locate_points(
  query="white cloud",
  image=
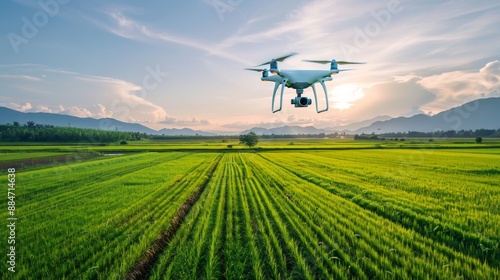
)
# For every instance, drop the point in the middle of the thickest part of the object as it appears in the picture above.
(20, 107)
(102, 112)
(125, 27)
(490, 75)
(458, 87)
(84, 95)
(395, 98)
(310, 22)
(75, 111)
(42, 108)
(22, 77)
(409, 94)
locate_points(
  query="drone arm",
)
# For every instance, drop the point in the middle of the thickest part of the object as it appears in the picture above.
(322, 82)
(276, 85)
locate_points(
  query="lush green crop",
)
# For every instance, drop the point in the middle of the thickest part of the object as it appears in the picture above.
(341, 215)
(96, 218)
(6, 157)
(334, 214)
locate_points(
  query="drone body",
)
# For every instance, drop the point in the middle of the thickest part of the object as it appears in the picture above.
(299, 80)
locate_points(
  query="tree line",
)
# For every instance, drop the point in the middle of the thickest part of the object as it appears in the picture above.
(489, 133)
(478, 133)
(31, 132)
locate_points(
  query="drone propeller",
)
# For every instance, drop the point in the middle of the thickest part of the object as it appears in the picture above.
(255, 69)
(279, 59)
(330, 61)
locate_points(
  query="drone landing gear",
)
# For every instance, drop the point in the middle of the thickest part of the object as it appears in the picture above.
(279, 81)
(299, 100)
(322, 82)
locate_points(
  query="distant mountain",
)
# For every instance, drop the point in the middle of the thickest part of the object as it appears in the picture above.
(224, 133)
(477, 114)
(357, 125)
(10, 116)
(286, 130)
(183, 132)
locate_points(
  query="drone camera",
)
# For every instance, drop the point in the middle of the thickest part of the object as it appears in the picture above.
(301, 101)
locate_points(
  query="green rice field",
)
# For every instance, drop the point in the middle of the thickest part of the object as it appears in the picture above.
(317, 210)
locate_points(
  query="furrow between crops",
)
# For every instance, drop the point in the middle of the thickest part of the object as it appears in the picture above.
(149, 220)
(421, 248)
(96, 188)
(293, 216)
(271, 258)
(144, 264)
(196, 217)
(453, 237)
(64, 186)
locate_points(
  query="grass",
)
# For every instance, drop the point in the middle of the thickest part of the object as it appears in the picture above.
(263, 145)
(328, 215)
(96, 218)
(341, 212)
(6, 157)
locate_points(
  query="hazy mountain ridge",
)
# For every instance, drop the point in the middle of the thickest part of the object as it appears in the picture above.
(357, 125)
(286, 130)
(10, 116)
(477, 114)
(183, 131)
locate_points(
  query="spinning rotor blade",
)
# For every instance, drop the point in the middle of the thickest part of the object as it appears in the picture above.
(349, 62)
(279, 59)
(318, 61)
(329, 61)
(255, 69)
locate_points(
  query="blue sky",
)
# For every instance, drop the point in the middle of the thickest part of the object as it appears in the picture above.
(180, 63)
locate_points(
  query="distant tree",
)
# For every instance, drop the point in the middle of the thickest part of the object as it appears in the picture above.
(479, 140)
(251, 139)
(123, 142)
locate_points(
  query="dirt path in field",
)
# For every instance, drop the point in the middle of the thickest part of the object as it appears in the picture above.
(145, 263)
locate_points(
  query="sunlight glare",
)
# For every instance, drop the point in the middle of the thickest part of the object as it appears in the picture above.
(343, 96)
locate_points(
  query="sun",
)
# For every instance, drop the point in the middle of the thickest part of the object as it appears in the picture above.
(343, 96)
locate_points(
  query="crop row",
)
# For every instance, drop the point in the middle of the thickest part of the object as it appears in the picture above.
(94, 219)
(259, 220)
(451, 198)
(7, 157)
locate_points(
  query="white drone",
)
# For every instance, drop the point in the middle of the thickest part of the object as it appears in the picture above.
(299, 80)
